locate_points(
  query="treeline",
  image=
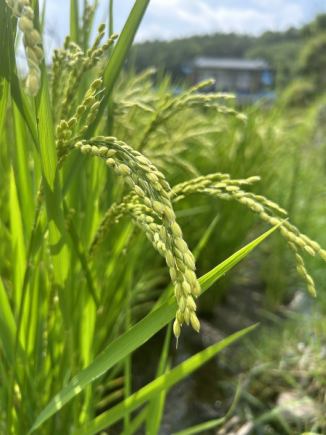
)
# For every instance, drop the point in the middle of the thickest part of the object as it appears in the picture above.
(280, 49)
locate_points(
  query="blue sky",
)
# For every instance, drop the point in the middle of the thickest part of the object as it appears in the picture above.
(167, 19)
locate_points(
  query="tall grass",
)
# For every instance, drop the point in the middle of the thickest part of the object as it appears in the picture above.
(84, 240)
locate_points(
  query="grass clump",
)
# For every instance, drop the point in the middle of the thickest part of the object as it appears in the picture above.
(285, 389)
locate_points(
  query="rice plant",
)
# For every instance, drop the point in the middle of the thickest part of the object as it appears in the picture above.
(90, 187)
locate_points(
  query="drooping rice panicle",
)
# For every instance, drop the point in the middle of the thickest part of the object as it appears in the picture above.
(153, 190)
(223, 187)
(230, 190)
(190, 98)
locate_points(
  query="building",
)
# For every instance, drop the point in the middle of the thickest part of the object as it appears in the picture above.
(249, 79)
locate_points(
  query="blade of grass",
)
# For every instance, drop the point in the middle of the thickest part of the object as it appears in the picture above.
(220, 270)
(18, 242)
(8, 68)
(21, 169)
(136, 336)
(52, 191)
(46, 134)
(74, 19)
(211, 424)
(204, 239)
(111, 20)
(137, 422)
(162, 383)
(7, 325)
(156, 405)
(4, 93)
(119, 55)
(80, 252)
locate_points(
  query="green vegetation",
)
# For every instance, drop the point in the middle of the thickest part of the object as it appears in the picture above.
(111, 190)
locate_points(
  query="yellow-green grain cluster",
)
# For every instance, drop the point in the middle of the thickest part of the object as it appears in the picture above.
(190, 98)
(153, 191)
(32, 42)
(70, 64)
(221, 186)
(70, 130)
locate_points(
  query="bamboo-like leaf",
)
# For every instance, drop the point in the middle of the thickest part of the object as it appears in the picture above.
(136, 336)
(162, 383)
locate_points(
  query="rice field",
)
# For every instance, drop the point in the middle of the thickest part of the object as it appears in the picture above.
(123, 209)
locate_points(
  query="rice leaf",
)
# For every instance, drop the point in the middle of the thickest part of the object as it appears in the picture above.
(200, 428)
(135, 337)
(46, 134)
(8, 68)
(53, 197)
(156, 405)
(7, 325)
(74, 19)
(18, 243)
(217, 272)
(21, 169)
(119, 54)
(4, 93)
(162, 383)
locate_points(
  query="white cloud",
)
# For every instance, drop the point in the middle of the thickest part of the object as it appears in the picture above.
(189, 16)
(249, 20)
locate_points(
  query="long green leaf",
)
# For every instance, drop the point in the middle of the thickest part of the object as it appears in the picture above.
(74, 18)
(137, 422)
(7, 325)
(46, 134)
(4, 92)
(18, 243)
(221, 269)
(162, 383)
(53, 197)
(119, 55)
(111, 18)
(8, 68)
(136, 336)
(21, 169)
(157, 403)
(200, 428)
